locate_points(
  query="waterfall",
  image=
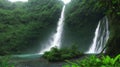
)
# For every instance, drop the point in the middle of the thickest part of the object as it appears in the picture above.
(101, 37)
(56, 37)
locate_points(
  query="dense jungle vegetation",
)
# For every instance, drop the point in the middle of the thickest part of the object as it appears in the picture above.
(23, 25)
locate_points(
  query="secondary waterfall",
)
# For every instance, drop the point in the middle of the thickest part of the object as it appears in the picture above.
(56, 38)
(101, 37)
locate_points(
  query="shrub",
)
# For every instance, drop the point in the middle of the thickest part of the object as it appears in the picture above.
(56, 54)
(4, 62)
(94, 61)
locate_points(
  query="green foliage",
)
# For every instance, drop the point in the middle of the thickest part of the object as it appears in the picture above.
(4, 62)
(93, 61)
(112, 6)
(118, 13)
(23, 25)
(81, 17)
(56, 54)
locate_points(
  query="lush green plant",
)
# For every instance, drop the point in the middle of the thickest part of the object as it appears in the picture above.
(4, 62)
(56, 54)
(94, 61)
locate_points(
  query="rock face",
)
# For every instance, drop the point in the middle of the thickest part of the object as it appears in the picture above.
(114, 41)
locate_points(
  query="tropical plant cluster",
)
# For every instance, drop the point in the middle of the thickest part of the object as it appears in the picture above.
(94, 61)
(57, 55)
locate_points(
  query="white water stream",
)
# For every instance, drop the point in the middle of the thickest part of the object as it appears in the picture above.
(57, 36)
(101, 37)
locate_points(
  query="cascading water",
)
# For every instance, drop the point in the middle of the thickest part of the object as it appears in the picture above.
(101, 37)
(57, 36)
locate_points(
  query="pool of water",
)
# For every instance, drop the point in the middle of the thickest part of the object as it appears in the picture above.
(33, 60)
